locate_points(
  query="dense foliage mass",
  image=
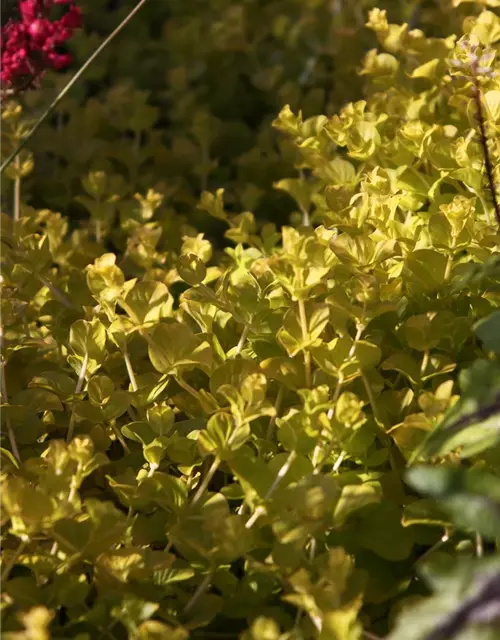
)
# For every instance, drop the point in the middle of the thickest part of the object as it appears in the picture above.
(250, 376)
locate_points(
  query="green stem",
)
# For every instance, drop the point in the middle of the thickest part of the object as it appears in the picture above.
(78, 388)
(13, 560)
(130, 370)
(277, 407)
(260, 510)
(305, 338)
(98, 231)
(317, 449)
(206, 481)
(384, 438)
(202, 587)
(10, 430)
(479, 546)
(17, 193)
(312, 553)
(70, 84)
(486, 209)
(205, 404)
(55, 292)
(449, 265)
(443, 540)
(371, 397)
(425, 363)
(119, 437)
(483, 138)
(242, 340)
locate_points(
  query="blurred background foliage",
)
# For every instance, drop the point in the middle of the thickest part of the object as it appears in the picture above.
(184, 99)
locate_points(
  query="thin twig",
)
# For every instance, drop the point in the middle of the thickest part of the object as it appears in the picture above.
(206, 481)
(70, 84)
(260, 510)
(55, 292)
(305, 337)
(242, 340)
(10, 430)
(277, 407)
(17, 193)
(317, 449)
(13, 560)
(130, 370)
(202, 587)
(484, 145)
(78, 388)
(443, 540)
(479, 545)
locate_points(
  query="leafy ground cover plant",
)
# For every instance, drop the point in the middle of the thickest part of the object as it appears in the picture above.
(202, 441)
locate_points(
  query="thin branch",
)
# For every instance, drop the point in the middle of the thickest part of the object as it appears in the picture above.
(305, 338)
(10, 430)
(130, 370)
(277, 407)
(202, 588)
(206, 481)
(242, 340)
(484, 145)
(13, 560)
(260, 510)
(55, 292)
(17, 194)
(78, 388)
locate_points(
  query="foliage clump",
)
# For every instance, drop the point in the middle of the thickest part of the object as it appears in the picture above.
(208, 430)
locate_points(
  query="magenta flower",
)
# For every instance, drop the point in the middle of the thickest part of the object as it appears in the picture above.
(32, 44)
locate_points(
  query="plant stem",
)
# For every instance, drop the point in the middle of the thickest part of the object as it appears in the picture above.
(202, 587)
(312, 553)
(205, 403)
(260, 510)
(98, 231)
(444, 538)
(305, 338)
(70, 84)
(484, 204)
(119, 437)
(484, 145)
(371, 397)
(12, 561)
(242, 340)
(277, 407)
(425, 363)
(449, 265)
(383, 436)
(206, 481)
(73, 489)
(338, 462)
(317, 448)
(78, 388)
(10, 430)
(17, 193)
(479, 546)
(130, 370)
(306, 220)
(56, 292)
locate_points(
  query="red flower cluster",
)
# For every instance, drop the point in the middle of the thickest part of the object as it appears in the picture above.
(31, 45)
